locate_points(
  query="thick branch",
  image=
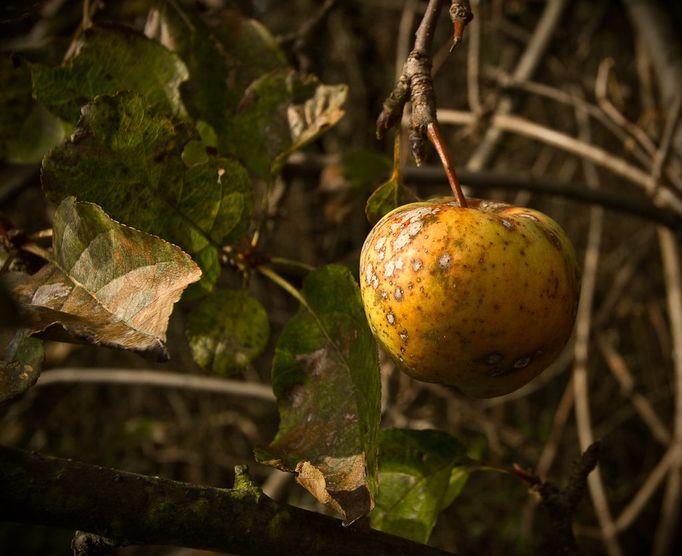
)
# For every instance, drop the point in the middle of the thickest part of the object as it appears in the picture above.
(137, 509)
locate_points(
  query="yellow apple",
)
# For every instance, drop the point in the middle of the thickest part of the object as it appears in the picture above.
(482, 298)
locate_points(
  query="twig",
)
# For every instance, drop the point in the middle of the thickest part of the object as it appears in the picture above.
(642, 406)
(670, 510)
(474, 64)
(637, 249)
(147, 510)
(639, 501)
(660, 36)
(582, 336)
(524, 70)
(522, 126)
(549, 452)
(561, 503)
(461, 16)
(664, 149)
(643, 154)
(161, 379)
(601, 94)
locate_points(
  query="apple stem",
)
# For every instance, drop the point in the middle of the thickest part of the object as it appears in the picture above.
(433, 131)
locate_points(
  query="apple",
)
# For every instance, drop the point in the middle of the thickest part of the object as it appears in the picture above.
(482, 298)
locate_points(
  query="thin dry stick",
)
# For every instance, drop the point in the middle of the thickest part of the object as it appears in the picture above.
(561, 416)
(666, 142)
(522, 126)
(582, 338)
(473, 61)
(524, 70)
(141, 377)
(639, 501)
(643, 155)
(601, 94)
(670, 510)
(642, 405)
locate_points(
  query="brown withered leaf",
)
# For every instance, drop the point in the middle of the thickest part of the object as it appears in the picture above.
(108, 284)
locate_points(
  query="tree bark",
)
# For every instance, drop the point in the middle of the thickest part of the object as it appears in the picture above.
(138, 509)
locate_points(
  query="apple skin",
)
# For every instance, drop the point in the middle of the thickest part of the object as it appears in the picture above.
(482, 298)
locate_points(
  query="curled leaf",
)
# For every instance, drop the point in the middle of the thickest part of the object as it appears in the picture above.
(108, 284)
(280, 113)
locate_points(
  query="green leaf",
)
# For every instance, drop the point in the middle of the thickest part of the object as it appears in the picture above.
(21, 361)
(111, 59)
(420, 474)
(109, 284)
(206, 93)
(280, 113)
(128, 158)
(227, 330)
(387, 197)
(250, 49)
(27, 129)
(223, 54)
(326, 379)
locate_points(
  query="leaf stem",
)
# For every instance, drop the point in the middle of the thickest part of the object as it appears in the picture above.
(284, 284)
(283, 261)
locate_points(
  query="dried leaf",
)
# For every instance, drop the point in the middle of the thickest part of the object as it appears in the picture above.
(280, 113)
(227, 330)
(20, 363)
(108, 284)
(326, 379)
(127, 158)
(420, 474)
(111, 59)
